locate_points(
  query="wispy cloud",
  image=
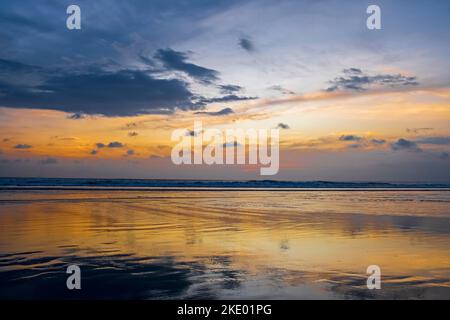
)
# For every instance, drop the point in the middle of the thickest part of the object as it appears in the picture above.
(226, 98)
(223, 112)
(434, 140)
(281, 89)
(357, 80)
(418, 130)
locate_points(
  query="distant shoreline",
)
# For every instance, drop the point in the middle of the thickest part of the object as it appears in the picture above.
(201, 185)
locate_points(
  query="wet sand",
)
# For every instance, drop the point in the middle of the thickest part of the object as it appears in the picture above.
(245, 244)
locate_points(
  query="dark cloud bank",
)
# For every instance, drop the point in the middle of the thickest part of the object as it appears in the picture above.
(124, 92)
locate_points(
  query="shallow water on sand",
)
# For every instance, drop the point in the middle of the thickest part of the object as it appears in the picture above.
(225, 244)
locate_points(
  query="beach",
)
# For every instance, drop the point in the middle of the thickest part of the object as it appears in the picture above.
(224, 244)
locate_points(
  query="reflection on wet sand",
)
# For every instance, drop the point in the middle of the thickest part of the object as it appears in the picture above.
(225, 244)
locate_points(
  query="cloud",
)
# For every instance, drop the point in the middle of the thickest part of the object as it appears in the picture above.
(125, 92)
(229, 88)
(228, 98)
(378, 141)
(246, 44)
(434, 140)
(133, 134)
(223, 112)
(418, 130)
(115, 144)
(130, 152)
(48, 161)
(94, 91)
(354, 79)
(94, 152)
(282, 126)
(176, 60)
(100, 145)
(76, 116)
(403, 144)
(65, 138)
(279, 88)
(352, 71)
(361, 142)
(350, 138)
(22, 146)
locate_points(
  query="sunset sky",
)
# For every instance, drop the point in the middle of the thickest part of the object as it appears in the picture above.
(351, 104)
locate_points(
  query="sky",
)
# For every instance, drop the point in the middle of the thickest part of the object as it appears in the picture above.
(352, 104)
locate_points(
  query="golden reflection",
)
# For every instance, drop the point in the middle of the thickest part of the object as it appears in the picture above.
(317, 232)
